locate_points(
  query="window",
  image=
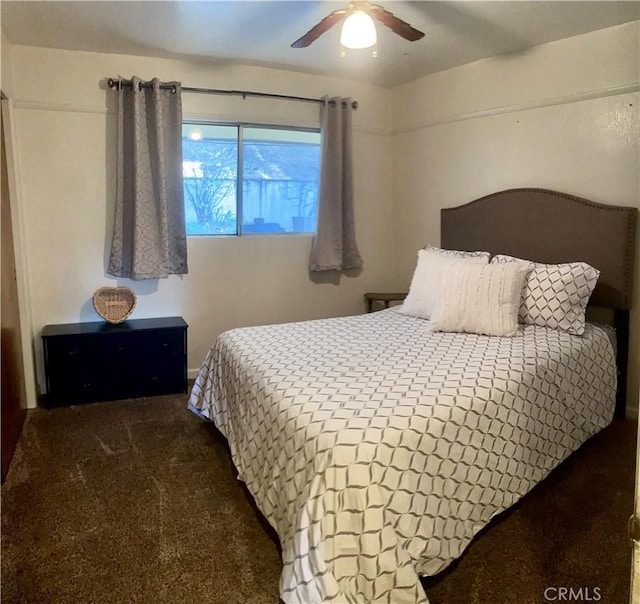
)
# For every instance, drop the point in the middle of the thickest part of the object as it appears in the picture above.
(241, 179)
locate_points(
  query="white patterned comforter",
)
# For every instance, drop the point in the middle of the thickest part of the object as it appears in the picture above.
(378, 449)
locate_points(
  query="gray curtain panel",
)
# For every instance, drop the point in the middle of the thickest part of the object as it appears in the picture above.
(149, 237)
(334, 245)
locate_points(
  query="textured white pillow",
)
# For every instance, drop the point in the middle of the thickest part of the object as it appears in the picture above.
(556, 295)
(481, 299)
(429, 276)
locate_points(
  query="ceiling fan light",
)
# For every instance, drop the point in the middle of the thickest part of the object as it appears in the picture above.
(358, 31)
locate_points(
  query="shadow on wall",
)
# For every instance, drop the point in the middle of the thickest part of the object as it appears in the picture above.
(332, 277)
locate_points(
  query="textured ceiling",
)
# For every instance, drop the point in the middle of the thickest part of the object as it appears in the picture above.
(260, 33)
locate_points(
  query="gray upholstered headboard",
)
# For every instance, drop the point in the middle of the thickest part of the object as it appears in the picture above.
(551, 227)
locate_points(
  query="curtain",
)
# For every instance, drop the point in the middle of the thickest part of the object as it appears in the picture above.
(334, 246)
(149, 237)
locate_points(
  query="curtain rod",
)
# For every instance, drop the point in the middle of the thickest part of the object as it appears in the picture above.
(243, 93)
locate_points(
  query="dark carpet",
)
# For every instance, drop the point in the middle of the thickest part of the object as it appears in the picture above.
(137, 501)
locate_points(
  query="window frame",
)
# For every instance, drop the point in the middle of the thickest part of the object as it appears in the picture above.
(240, 126)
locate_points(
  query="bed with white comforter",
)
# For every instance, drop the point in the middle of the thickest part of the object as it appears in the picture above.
(378, 449)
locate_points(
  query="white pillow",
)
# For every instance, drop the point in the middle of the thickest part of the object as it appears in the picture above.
(481, 299)
(556, 295)
(457, 253)
(429, 276)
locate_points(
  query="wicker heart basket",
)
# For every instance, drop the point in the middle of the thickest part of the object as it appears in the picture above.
(114, 304)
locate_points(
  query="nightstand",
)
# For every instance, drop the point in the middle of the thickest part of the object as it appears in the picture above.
(383, 297)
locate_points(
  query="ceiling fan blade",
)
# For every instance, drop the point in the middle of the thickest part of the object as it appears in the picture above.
(317, 30)
(395, 24)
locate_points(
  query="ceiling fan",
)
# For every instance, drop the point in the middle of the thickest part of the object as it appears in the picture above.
(360, 12)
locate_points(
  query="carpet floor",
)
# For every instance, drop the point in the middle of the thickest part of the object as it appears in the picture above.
(137, 501)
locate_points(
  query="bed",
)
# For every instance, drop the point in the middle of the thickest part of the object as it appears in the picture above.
(377, 448)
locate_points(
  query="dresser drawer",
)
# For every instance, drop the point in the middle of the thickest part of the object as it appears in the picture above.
(75, 386)
(162, 382)
(165, 345)
(165, 352)
(70, 372)
(120, 348)
(68, 354)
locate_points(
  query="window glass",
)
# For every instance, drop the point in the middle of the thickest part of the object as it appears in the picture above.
(279, 180)
(279, 171)
(209, 171)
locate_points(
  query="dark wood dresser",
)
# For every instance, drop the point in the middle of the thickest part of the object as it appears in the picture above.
(98, 361)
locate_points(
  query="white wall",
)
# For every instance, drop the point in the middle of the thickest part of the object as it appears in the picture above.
(561, 116)
(66, 132)
(6, 71)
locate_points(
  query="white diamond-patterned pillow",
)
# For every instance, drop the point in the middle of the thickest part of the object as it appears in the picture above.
(556, 295)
